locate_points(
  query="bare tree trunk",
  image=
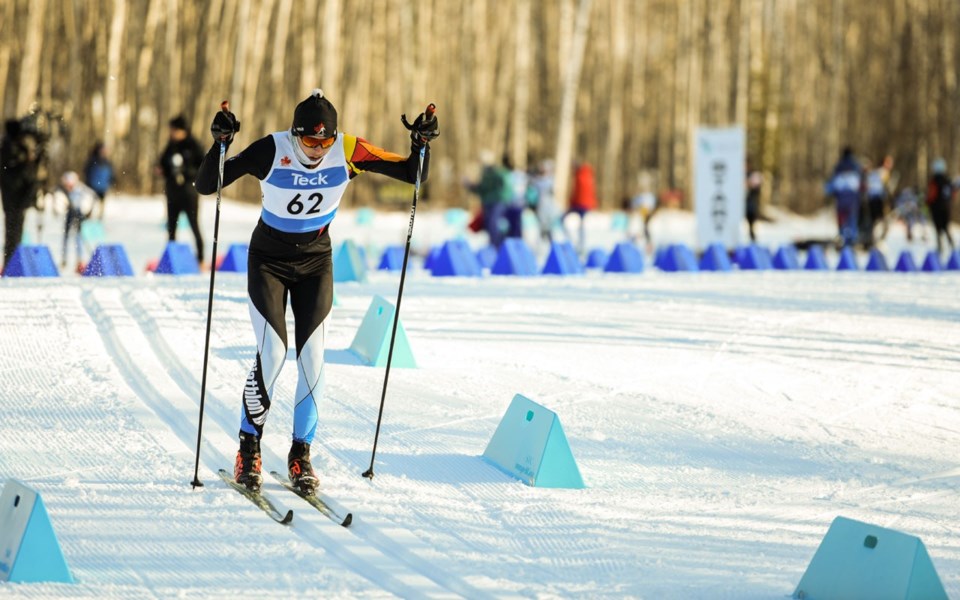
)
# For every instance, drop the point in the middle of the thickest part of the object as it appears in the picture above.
(114, 67)
(330, 52)
(521, 100)
(571, 84)
(30, 66)
(611, 179)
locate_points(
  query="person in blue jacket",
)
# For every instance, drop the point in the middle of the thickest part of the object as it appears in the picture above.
(845, 186)
(98, 174)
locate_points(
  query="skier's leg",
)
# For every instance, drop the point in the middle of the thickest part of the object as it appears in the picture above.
(311, 300)
(66, 239)
(173, 213)
(78, 221)
(267, 303)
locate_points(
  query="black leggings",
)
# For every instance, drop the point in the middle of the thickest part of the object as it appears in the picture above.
(298, 268)
(13, 231)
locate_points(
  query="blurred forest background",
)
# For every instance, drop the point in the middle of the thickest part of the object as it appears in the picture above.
(621, 84)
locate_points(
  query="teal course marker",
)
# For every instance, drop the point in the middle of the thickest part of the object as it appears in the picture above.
(372, 340)
(29, 550)
(349, 263)
(859, 560)
(530, 444)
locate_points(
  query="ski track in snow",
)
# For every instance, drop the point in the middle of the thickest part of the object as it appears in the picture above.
(720, 421)
(118, 317)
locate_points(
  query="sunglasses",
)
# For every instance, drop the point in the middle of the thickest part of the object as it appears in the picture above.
(313, 142)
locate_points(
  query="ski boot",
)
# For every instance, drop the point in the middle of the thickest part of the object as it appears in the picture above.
(299, 468)
(247, 470)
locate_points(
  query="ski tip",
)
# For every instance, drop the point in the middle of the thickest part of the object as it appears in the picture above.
(347, 520)
(287, 518)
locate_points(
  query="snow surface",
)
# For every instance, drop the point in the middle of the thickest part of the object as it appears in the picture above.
(720, 421)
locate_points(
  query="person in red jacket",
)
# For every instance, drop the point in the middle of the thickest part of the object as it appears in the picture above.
(583, 198)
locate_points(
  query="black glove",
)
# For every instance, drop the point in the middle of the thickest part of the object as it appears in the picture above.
(425, 127)
(224, 125)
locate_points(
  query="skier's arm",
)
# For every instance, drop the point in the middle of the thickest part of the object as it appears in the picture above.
(362, 156)
(255, 160)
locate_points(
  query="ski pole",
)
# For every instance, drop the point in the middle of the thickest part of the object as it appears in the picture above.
(428, 113)
(225, 107)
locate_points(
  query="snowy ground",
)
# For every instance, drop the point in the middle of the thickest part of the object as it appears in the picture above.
(720, 421)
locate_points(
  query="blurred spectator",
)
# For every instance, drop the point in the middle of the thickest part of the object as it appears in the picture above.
(583, 199)
(754, 186)
(541, 196)
(644, 205)
(877, 188)
(939, 197)
(518, 198)
(98, 174)
(844, 186)
(495, 191)
(20, 155)
(77, 201)
(907, 208)
(179, 164)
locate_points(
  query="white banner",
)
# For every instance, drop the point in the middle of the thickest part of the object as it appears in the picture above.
(719, 171)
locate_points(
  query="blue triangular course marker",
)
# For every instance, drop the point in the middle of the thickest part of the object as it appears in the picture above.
(816, 261)
(905, 263)
(109, 260)
(487, 256)
(235, 260)
(859, 560)
(530, 444)
(715, 258)
(562, 260)
(931, 264)
(349, 263)
(953, 263)
(177, 259)
(625, 258)
(597, 258)
(431, 256)
(455, 259)
(877, 261)
(31, 261)
(786, 258)
(29, 550)
(753, 258)
(848, 260)
(391, 259)
(514, 258)
(372, 340)
(677, 257)
(658, 256)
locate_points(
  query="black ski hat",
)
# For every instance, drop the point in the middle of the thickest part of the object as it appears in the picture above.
(315, 116)
(180, 122)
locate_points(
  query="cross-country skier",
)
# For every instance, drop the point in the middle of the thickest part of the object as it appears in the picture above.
(303, 174)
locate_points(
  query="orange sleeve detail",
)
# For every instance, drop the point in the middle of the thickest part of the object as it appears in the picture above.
(359, 150)
(349, 147)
